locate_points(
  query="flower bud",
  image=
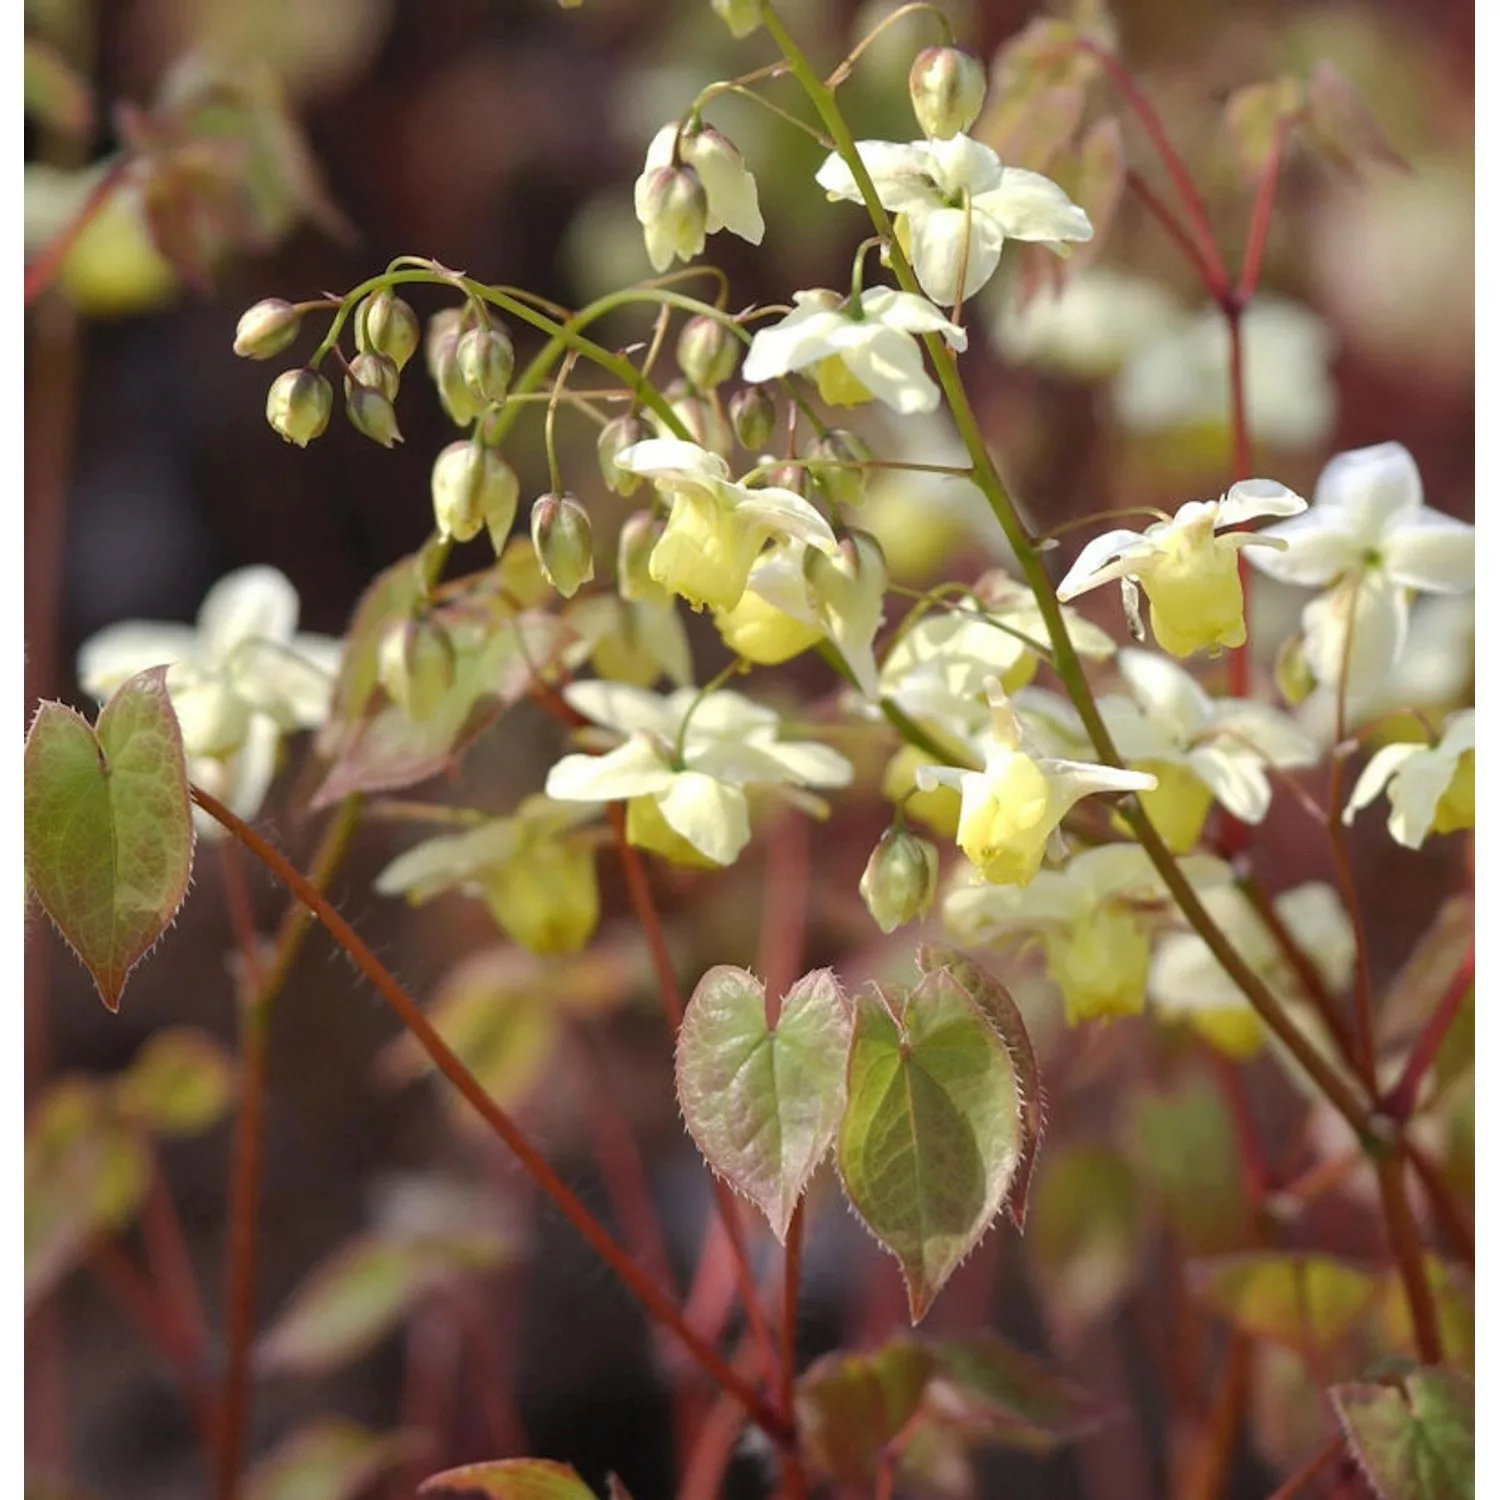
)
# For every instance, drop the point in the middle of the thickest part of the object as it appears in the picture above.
(377, 370)
(443, 328)
(673, 210)
(266, 329)
(370, 411)
(416, 666)
(791, 477)
(638, 538)
(740, 16)
(1293, 672)
(298, 405)
(473, 488)
(833, 452)
(564, 543)
(706, 352)
(705, 421)
(486, 360)
(618, 434)
(900, 880)
(752, 414)
(385, 324)
(947, 91)
(453, 390)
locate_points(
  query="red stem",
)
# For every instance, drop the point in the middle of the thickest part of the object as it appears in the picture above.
(783, 913)
(41, 271)
(171, 1265)
(535, 1165)
(1312, 1468)
(1174, 227)
(794, 1478)
(671, 999)
(1177, 170)
(1445, 1207)
(1260, 214)
(1406, 1246)
(1252, 1163)
(1403, 1098)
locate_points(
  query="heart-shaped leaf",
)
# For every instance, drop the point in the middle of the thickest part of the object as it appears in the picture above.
(180, 1083)
(511, 1479)
(763, 1103)
(1415, 1442)
(109, 835)
(356, 1297)
(1002, 1012)
(1307, 1302)
(329, 1459)
(849, 1406)
(931, 1135)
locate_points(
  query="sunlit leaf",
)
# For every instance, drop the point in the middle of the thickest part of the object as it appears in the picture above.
(87, 1174)
(763, 1104)
(849, 1406)
(932, 1133)
(181, 1082)
(359, 1295)
(109, 838)
(510, 1479)
(1310, 1303)
(1416, 1441)
(329, 1459)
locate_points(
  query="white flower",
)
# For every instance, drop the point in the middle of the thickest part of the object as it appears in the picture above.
(860, 352)
(1371, 541)
(730, 200)
(1010, 811)
(1431, 787)
(1181, 378)
(685, 787)
(238, 680)
(1089, 328)
(1095, 917)
(716, 528)
(1199, 748)
(1189, 572)
(956, 205)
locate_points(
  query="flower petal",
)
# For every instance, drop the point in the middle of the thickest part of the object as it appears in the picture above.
(1167, 694)
(1029, 206)
(255, 603)
(634, 769)
(1432, 552)
(1384, 764)
(118, 652)
(1372, 489)
(1252, 498)
(1318, 549)
(1097, 563)
(942, 240)
(712, 817)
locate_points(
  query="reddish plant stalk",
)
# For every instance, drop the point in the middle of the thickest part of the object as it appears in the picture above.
(1169, 221)
(41, 272)
(783, 914)
(671, 999)
(1260, 213)
(1406, 1246)
(794, 1479)
(1402, 1099)
(1451, 1218)
(171, 1264)
(1312, 1468)
(1207, 1465)
(535, 1165)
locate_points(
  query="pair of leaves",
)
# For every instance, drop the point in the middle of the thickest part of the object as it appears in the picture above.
(88, 1156)
(931, 1094)
(930, 1399)
(108, 832)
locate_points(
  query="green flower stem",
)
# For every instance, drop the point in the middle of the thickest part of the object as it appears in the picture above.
(845, 68)
(1066, 662)
(655, 1302)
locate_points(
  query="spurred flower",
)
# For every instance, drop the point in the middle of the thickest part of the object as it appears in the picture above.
(1431, 787)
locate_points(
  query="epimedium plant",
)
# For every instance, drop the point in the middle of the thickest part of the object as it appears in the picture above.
(1112, 831)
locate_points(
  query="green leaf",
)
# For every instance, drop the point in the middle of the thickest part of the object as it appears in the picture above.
(1340, 128)
(56, 94)
(932, 1135)
(849, 1406)
(511, 1479)
(763, 1104)
(359, 1295)
(329, 1459)
(87, 1174)
(1415, 1442)
(1310, 1303)
(109, 836)
(1088, 1231)
(996, 1392)
(1002, 1012)
(1181, 1140)
(1255, 114)
(180, 1083)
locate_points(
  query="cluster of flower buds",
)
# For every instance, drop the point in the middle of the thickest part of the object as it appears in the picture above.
(471, 360)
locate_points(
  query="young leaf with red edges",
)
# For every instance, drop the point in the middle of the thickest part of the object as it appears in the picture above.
(510, 1479)
(1310, 1303)
(850, 1406)
(931, 1136)
(108, 832)
(1415, 1441)
(763, 1103)
(180, 1083)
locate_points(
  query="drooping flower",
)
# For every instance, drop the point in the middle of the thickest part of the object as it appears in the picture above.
(956, 204)
(1010, 811)
(1200, 749)
(1431, 787)
(534, 871)
(684, 766)
(860, 351)
(674, 215)
(1370, 541)
(716, 528)
(1095, 918)
(1190, 572)
(239, 679)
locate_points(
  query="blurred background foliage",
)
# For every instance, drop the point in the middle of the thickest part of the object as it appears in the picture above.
(283, 148)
